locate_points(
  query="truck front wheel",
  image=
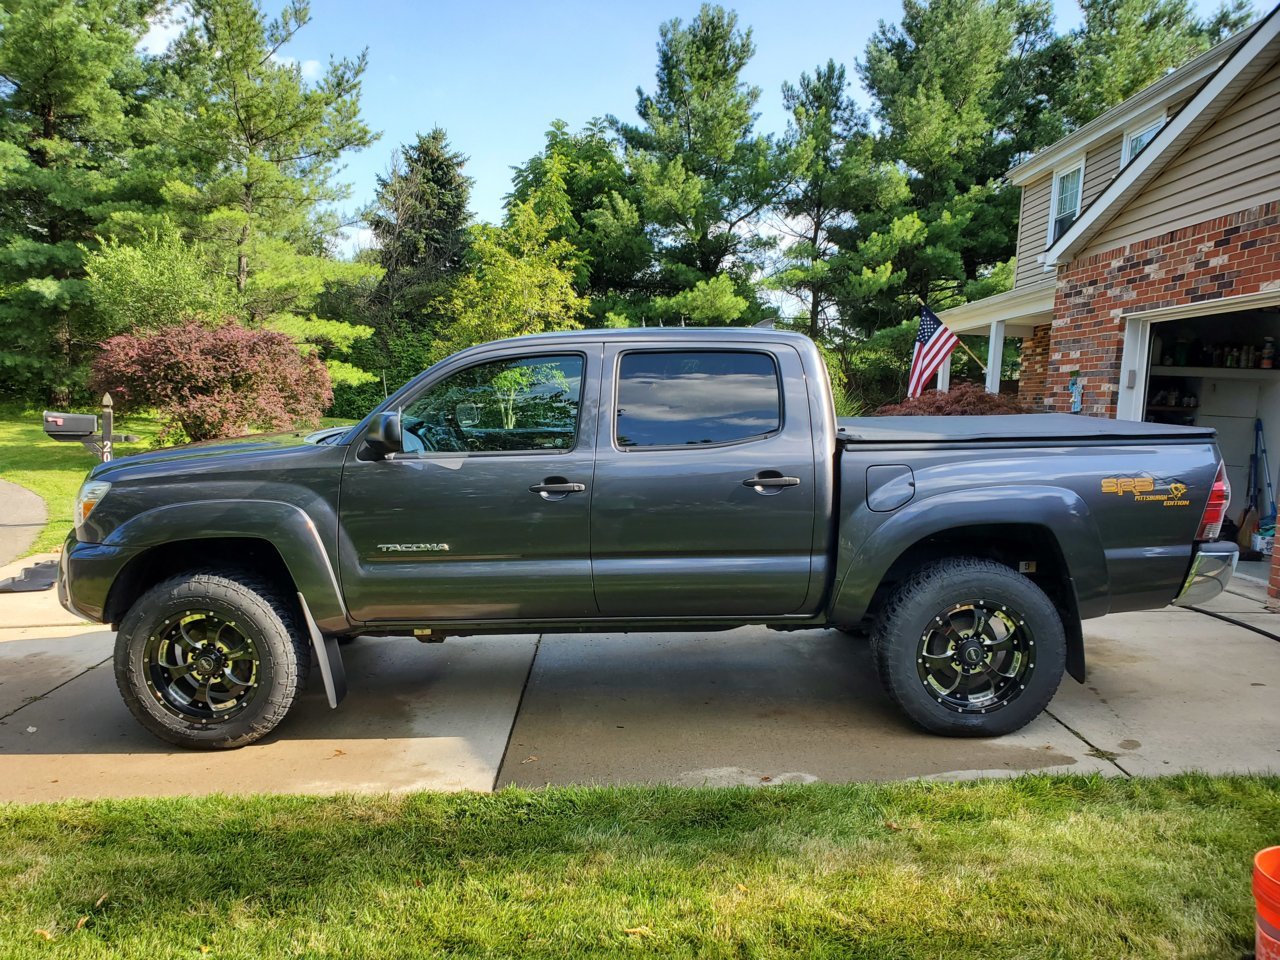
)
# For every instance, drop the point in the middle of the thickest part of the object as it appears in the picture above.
(969, 648)
(211, 660)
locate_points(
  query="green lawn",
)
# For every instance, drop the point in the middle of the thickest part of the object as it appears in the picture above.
(1054, 867)
(55, 470)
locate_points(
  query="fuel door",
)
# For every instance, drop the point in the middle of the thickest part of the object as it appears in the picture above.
(889, 486)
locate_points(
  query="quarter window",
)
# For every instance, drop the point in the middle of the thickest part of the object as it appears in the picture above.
(1066, 202)
(696, 397)
(524, 403)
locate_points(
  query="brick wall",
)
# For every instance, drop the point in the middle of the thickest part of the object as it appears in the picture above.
(1035, 364)
(1224, 257)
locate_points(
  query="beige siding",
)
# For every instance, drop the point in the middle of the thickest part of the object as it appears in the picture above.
(1101, 164)
(1033, 230)
(1232, 165)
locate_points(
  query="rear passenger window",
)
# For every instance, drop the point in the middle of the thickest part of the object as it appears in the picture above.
(696, 397)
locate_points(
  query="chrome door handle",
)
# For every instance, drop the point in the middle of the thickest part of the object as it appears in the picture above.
(758, 482)
(558, 488)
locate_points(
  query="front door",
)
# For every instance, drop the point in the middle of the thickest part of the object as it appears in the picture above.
(703, 504)
(486, 516)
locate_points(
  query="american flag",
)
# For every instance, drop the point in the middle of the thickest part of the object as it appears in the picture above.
(934, 344)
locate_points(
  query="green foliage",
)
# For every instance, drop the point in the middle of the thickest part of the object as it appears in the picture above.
(704, 177)
(154, 283)
(272, 141)
(708, 303)
(419, 222)
(518, 280)
(1126, 45)
(70, 85)
(328, 339)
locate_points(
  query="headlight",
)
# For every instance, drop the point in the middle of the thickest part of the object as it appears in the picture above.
(90, 495)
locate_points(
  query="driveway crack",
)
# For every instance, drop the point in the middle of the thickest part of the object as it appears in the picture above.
(1237, 623)
(37, 699)
(1094, 749)
(515, 717)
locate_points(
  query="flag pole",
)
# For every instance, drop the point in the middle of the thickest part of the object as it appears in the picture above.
(981, 366)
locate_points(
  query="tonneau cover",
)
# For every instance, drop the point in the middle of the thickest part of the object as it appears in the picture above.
(1012, 427)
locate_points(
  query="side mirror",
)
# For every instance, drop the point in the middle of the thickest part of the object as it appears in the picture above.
(384, 436)
(467, 414)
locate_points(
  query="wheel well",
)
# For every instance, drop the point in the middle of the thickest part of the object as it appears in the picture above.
(144, 571)
(1011, 544)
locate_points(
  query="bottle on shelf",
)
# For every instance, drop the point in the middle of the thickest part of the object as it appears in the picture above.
(1268, 352)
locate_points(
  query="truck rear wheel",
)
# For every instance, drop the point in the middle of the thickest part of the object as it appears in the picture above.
(210, 660)
(969, 648)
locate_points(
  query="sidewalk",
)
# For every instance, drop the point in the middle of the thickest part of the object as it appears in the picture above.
(22, 518)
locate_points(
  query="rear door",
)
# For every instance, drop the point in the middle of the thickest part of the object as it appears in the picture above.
(703, 504)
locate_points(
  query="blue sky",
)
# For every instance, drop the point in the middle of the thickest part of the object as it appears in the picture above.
(496, 74)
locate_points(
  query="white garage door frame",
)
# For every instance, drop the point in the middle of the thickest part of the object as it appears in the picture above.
(1135, 361)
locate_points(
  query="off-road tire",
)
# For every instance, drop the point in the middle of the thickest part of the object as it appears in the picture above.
(910, 612)
(257, 605)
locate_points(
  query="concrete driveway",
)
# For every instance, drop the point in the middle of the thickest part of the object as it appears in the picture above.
(1170, 690)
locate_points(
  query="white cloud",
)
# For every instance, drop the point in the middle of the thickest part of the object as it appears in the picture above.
(310, 69)
(164, 30)
(354, 239)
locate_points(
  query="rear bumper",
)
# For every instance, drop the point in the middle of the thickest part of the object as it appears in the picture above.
(1211, 570)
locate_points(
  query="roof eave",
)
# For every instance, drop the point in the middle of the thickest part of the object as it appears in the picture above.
(1221, 89)
(1122, 115)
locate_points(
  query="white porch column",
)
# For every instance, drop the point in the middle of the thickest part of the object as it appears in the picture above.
(944, 376)
(995, 355)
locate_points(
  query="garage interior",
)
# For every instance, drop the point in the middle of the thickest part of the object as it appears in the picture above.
(1208, 371)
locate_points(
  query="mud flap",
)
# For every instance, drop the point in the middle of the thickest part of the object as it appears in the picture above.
(328, 656)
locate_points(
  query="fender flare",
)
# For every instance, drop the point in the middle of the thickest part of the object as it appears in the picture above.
(286, 527)
(1060, 511)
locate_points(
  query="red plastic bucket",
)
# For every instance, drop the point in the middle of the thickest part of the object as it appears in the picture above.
(1266, 894)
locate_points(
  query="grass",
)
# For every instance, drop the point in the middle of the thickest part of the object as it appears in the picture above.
(1037, 867)
(55, 470)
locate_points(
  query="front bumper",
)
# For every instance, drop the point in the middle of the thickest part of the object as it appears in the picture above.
(1211, 571)
(86, 572)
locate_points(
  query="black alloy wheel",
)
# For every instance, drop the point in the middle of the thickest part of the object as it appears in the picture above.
(201, 667)
(976, 656)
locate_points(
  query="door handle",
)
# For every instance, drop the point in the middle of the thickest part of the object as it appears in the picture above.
(759, 482)
(560, 487)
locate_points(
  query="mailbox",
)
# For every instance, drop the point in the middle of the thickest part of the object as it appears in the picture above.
(71, 427)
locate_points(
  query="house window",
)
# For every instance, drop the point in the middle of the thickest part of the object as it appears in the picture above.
(1065, 205)
(1135, 140)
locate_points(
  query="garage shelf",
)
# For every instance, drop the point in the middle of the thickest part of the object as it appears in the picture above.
(1215, 373)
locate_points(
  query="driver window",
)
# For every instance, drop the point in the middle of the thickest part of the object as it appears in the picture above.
(518, 403)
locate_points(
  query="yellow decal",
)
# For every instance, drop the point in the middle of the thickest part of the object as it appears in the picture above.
(1143, 489)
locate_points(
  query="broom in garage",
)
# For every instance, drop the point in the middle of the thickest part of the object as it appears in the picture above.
(1251, 521)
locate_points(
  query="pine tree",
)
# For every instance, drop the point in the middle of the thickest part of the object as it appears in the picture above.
(419, 223)
(70, 84)
(704, 176)
(272, 141)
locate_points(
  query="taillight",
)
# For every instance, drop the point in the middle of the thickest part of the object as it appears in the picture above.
(1215, 511)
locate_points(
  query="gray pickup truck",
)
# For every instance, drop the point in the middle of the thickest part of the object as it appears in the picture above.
(640, 480)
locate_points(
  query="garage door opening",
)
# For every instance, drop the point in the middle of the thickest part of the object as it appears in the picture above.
(1222, 371)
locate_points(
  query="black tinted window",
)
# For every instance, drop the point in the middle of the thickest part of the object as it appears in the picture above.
(525, 403)
(673, 399)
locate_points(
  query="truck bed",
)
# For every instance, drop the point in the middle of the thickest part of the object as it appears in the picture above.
(1020, 428)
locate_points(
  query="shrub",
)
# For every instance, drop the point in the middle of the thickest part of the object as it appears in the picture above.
(210, 382)
(963, 399)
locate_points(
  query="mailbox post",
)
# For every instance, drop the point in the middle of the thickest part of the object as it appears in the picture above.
(83, 428)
